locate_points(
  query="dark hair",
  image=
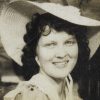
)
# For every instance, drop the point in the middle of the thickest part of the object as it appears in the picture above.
(35, 29)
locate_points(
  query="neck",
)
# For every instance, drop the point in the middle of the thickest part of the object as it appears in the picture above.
(56, 82)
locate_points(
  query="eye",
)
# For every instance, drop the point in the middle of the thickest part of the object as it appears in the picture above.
(50, 45)
(70, 42)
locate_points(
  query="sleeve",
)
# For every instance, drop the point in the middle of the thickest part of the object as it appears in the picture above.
(27, 92)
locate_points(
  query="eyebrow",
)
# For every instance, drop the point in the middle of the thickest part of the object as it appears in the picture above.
(73, 37)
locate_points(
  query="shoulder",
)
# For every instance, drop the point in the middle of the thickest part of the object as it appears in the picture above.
(26, 91)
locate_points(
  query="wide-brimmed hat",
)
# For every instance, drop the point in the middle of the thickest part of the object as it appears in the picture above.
(17, 13)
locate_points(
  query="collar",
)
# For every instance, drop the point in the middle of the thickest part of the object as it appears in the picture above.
(44, 85)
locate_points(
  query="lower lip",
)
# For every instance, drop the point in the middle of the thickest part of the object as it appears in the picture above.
(60, 65)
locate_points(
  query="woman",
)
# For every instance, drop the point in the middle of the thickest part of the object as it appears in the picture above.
(55, 51)
(55, 54)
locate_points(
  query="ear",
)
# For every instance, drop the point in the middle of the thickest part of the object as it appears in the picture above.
(37, 60)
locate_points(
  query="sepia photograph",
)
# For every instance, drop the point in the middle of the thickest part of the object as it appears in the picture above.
(49, 49)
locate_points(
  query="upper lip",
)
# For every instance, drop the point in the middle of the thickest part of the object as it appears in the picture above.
(60, 61)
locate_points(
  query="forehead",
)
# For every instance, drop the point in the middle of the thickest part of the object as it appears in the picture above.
(57, 36)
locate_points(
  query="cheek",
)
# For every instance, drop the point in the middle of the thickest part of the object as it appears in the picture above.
(45, 55)
(73, 51)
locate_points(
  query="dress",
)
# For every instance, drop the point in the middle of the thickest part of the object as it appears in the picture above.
(40, 88)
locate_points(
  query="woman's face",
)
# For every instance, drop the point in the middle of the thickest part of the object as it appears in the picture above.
(57, 54)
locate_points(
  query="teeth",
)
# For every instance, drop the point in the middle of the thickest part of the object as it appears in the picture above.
(60, 64)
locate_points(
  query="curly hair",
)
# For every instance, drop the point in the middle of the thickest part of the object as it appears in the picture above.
(35, 29)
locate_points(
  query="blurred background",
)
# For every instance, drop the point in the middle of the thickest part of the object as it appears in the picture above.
(11, 73)
(8, 76)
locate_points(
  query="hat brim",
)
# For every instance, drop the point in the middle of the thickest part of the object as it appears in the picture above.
(15, 16)
(67, 13)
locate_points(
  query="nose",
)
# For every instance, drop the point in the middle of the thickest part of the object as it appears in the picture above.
(61, 53)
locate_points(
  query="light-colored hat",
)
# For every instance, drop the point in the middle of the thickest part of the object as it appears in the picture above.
(17, 13)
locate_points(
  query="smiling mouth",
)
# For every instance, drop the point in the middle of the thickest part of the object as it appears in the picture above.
(61, 64)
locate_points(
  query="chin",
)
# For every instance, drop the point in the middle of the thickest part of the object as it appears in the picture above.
(60, 76)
